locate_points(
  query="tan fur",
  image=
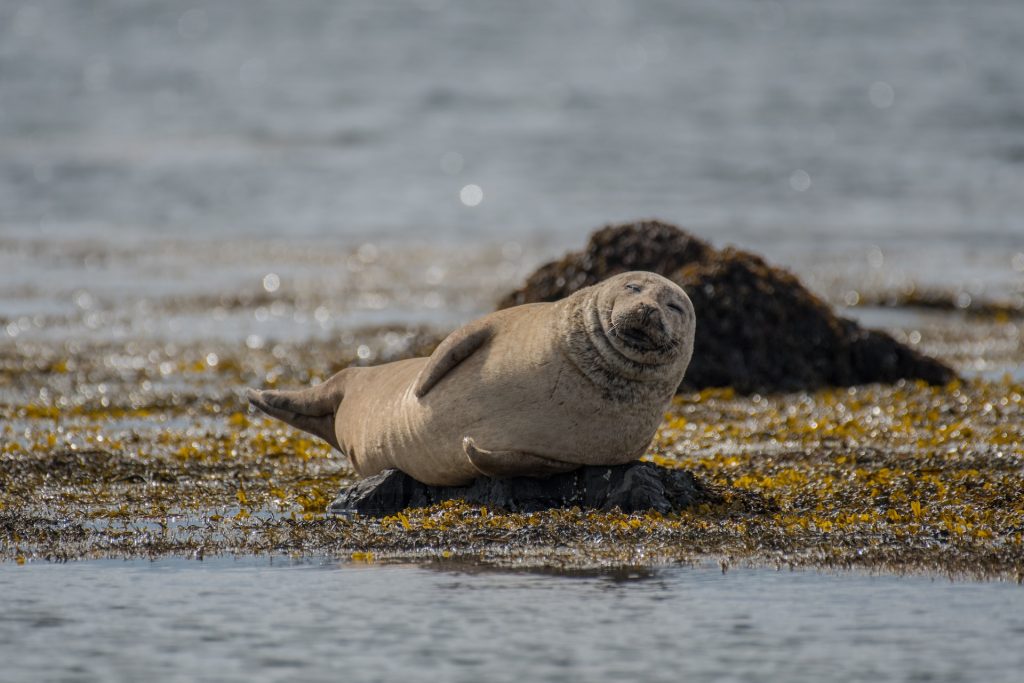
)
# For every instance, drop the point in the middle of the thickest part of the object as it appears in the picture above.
(530, 390)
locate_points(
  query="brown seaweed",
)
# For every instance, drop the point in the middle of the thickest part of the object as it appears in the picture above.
(758, 328)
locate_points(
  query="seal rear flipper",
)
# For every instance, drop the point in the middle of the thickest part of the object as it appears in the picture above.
(456, 347)
(311, 410)
(284, 406)
(501, 464)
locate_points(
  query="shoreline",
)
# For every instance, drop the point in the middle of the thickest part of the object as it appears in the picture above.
(938, 491)
(123, 438)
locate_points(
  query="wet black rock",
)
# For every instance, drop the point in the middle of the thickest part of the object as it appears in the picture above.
(758, 328)
(633, 487)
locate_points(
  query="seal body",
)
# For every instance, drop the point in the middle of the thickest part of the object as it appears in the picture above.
(531, 390)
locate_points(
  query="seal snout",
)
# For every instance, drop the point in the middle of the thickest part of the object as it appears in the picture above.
(642, 327)
(649, 312)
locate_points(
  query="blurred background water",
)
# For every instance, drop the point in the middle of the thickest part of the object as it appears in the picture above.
(854, 134)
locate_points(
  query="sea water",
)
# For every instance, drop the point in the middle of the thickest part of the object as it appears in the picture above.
(321, 620)
(801, 129)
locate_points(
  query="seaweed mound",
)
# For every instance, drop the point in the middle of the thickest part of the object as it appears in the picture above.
(649, 245)
(758, 328)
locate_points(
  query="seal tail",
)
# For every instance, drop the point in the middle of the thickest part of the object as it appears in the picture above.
(311, 410)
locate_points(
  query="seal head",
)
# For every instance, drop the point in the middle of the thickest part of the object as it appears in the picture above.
(632, 334)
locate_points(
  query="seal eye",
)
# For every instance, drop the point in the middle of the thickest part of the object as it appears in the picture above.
(634, 287)
(677, 308)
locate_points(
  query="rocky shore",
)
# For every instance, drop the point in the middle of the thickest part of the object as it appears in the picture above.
(907, 478)
(143, 448)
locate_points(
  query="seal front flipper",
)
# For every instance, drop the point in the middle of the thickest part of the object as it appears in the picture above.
(457, 347)
(311, 410)
(500, 464)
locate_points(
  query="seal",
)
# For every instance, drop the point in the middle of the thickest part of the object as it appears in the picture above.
(531, 390)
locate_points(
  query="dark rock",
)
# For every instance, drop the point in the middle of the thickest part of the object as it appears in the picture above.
(758, 328)
(633, 487)
(648, 245)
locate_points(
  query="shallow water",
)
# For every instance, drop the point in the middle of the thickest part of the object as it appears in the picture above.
(236, 620)
(158, 162)
(800, 129)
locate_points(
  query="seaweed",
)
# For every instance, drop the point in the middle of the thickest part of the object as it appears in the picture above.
(758, 328)
(904, 478)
